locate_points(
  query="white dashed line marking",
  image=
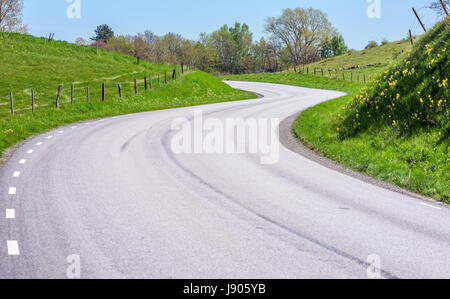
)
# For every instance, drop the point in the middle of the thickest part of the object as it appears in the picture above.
(30, 152)
(12, 191)
(430, 206)
(10, 214)
(49, 137)
(39, 143)
(16, 174)
(23, 161)
(74, 127)
(60, 132)
(13, 247)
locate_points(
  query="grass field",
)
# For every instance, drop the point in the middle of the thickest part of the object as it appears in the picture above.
(34, 63)
(418, 160)
(381, 55)
(352, 65)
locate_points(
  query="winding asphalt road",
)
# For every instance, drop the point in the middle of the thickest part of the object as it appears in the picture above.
(113, 193)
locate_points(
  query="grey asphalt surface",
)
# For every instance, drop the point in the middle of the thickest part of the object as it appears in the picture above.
(114, 193)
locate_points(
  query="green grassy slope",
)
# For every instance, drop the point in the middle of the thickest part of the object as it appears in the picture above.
(29, 62)
(382, 55)
(414, 156)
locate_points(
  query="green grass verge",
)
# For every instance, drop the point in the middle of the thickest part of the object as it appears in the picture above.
(196, 88)
(416, 162)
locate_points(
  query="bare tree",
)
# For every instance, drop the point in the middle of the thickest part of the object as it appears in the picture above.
(11, 16)
(437, 6)
(81, 41)
(301, 31)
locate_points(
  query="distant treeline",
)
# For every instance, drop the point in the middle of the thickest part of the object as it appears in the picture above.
(299, 36)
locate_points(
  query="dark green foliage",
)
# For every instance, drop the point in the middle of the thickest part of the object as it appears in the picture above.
(103, 33)
(333, 47)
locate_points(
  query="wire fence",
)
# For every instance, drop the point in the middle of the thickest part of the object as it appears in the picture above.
(32, 100)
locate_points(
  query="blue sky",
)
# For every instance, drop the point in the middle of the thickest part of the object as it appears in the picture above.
(191, 17)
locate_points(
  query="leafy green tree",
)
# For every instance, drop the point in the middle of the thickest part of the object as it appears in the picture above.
(338, 45)
(327, 49)
(233, 45)
(333, 47)
(103, 33)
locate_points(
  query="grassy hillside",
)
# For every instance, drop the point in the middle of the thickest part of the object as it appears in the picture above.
(396, 128)
(411, 95)
(358, 130)
(29, 63)
(34, 63)
(381, 55)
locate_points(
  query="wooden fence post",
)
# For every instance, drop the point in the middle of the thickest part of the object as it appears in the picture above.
(145, 83)
(159, 80)
(11, 100)
(364, 78)
(444, 7)
(343, 76)
(32, 100)
(420, 21)
(58, 97)
(103, 92)
(151, 83)
(71, 94)
(87, 94)
(322, 72)
(351, 79)
(411, 37)
(135, 87)
(182, 68)
(174, 74)
(165, 77)
(120, 90)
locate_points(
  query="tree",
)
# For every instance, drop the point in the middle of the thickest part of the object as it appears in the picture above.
(333, 47)
(81, 41)
(233, 45)
(372, 44)
(437, 6)
(327, 49)
(302, 32)
(11, 16)
(103, 33)
(121, 44)
(338, 45)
